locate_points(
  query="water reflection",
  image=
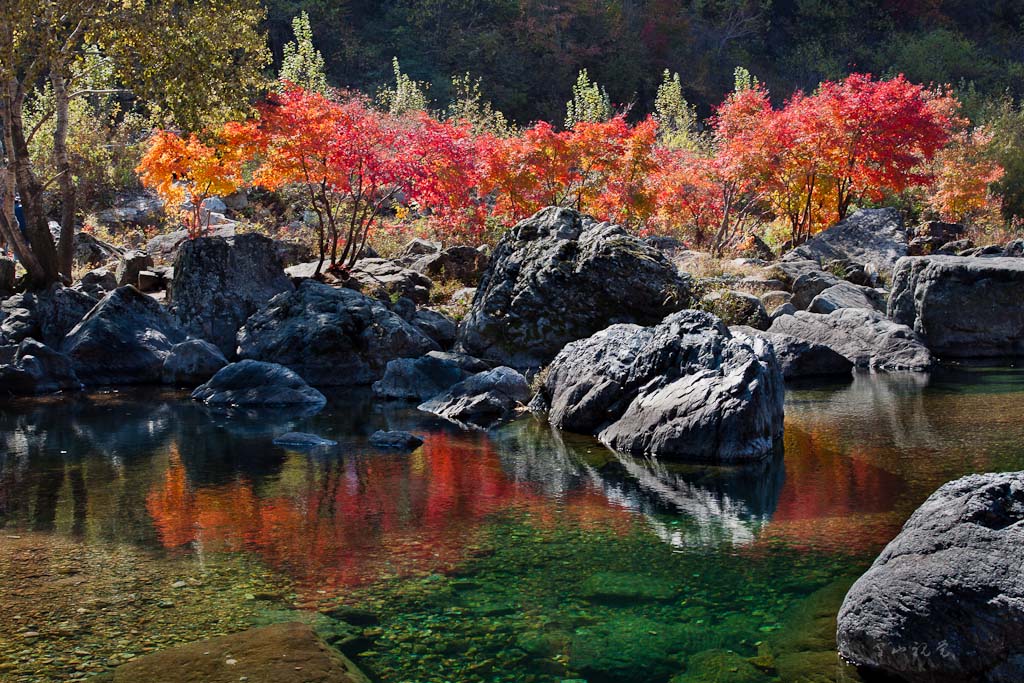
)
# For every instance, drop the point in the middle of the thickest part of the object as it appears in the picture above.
(153, 468)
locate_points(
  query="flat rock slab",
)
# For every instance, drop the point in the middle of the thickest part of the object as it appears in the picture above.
(282, 653)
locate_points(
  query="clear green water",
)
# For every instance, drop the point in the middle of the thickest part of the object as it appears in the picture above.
(520, 555)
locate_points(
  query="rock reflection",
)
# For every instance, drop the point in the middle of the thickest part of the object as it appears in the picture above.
(684, 505)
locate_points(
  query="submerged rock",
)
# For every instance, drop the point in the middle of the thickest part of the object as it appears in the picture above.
(945, 599)
(330, 336)
(483, 400)
(254, 383)
(398, 440)
(866, 338)
(218, 283)
(560, 276)
(125, 339)
(282, 653)
(962, 307)
(304, 440)
(685, 389)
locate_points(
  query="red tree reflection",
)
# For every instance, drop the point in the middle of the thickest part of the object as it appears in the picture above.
(353, 520)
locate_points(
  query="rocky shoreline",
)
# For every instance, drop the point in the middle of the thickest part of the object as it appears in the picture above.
(598, 331)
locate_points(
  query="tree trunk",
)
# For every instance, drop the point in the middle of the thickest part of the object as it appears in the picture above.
(9, 228)
(36, 224)
(66, 245)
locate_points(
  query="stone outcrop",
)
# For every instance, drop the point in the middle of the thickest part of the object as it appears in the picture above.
(218, 283)
(866, 338)
(253, 383)
(945, 599)
(484, 400)
(686, 389)
(962, 307)
(123, 340)
(560, 276)
(330, 336)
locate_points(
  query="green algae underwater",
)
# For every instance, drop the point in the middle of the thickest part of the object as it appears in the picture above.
(131, 521)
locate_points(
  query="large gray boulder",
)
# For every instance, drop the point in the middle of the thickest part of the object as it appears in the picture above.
(961, 306)
(254, 383)
(330, 336)
(483, 400)
(686, 389)
(38, 369)
(218, 283)
(799, 358)
(869, 236)
(560, 276)
(438, 326)
(123, 340)
(847, 295)
(945, 599)
(46, 316)
(866, 338)
(192, 362)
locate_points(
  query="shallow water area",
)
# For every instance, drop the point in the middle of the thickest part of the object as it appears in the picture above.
(132, 520)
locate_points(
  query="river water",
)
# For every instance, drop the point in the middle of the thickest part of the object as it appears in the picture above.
(133, 520)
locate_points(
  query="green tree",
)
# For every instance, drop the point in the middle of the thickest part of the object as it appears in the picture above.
(406, 95)
(589, 103)
(677, 119)
(189, 61)
(743, 79)
(468, 104)
(1006, 120)
(303, 64)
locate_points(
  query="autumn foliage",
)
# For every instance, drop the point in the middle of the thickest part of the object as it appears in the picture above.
(185, 171)
(804, 165)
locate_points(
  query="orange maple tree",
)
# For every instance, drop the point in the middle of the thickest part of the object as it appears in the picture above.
(185, 171)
